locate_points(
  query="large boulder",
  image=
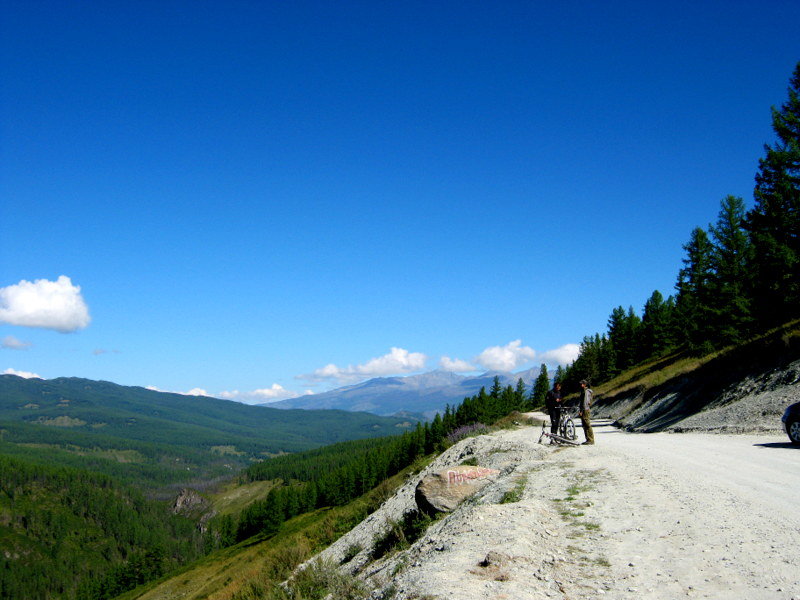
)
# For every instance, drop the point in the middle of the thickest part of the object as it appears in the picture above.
(444, 490)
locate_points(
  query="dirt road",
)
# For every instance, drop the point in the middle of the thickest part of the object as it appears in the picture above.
(689, 515)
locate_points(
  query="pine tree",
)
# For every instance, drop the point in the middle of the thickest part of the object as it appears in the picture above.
(657, 326)
(774, 221)
(730, 258)
(519, 394)
(693, 305)
(559, 375)
(540, 387)
(497, 388)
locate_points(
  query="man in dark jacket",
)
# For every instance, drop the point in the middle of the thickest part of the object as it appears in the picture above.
(553, 403)
(586, 415)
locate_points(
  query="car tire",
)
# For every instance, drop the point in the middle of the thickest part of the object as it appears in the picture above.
(793, 429)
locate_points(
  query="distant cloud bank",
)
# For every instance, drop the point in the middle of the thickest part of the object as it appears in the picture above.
(402, 362)
(259, 396)
(270, 394)
(23, 374)
(192, 392)
(56, 305)
(397, 361)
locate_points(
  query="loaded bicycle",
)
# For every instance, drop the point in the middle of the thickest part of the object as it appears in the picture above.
(565, 432)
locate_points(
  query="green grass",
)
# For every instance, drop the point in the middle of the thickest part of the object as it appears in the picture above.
(515, 493)
(571, 507)
(234, 496)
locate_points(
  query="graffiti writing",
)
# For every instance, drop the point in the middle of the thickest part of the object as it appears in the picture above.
(459, 477)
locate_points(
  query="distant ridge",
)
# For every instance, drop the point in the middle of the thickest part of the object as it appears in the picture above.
(87, 408)
(423, 394)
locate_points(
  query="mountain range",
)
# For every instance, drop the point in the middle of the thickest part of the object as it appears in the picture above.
(424, 394)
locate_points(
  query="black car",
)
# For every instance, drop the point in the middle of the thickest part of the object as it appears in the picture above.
(791, 422)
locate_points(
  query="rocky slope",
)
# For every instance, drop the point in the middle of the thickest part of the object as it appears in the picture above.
(717, 402)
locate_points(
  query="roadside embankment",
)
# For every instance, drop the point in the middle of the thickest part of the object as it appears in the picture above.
(744, 390)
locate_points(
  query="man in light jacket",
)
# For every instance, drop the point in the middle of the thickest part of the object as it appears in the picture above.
(586, 414)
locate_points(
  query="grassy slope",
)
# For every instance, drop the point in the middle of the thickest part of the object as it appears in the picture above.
(234, 497)
(227, 572)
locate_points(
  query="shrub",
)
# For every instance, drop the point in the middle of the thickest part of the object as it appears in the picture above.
(466, 431)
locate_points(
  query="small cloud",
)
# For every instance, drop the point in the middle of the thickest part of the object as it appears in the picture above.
(23, 374)
(564, 355)
(101, 351)
(397, 361)
(270, 394)
(456, 365)
(505, 358)
(56, 305)
(12, 343)
(192, 392)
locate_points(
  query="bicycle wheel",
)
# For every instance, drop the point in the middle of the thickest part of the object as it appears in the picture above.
(568, 429)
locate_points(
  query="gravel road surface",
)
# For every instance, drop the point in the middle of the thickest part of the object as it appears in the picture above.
(695, 515)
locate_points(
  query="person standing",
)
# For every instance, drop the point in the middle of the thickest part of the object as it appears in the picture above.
(586, 413)
(552, 401)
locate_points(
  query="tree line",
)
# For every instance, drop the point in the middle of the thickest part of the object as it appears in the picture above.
(740, 276)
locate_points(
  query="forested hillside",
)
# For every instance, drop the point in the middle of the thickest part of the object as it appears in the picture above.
(155, 438)
(67, 533)
(77, 458)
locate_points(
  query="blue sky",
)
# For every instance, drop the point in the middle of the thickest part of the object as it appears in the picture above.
(284, 197)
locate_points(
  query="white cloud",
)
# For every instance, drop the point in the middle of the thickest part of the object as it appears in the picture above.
(23, 374)
(270, 394)
(396, 362)
(56, 305)
(455, 365)
(13, 343)
(564, 355)
(191, 392)
(506, 358)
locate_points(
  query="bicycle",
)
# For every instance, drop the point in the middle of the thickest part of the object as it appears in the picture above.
(566, 421)
(566, 431)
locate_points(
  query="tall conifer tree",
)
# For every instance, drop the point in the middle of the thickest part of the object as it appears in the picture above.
(774, 221)
(694, 292)
(540, 387)
(730, 258)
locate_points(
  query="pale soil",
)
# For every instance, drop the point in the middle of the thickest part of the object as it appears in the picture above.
(636, 516)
